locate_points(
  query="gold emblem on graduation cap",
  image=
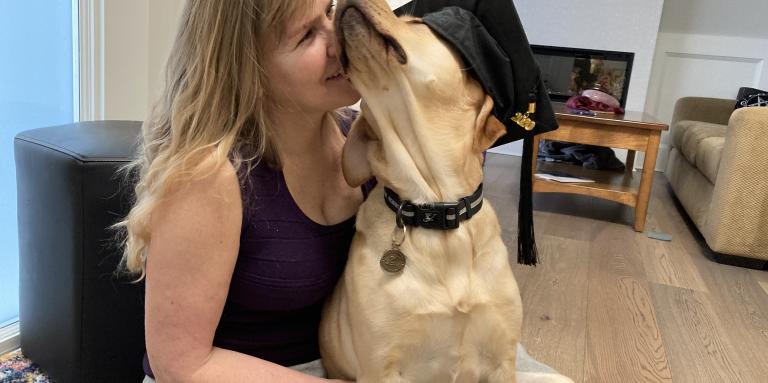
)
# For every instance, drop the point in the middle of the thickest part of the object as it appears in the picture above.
(524, 120)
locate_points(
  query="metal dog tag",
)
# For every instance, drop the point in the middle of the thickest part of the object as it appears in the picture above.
(393, 261)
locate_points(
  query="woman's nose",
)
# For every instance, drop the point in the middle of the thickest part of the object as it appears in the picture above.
(332, 48)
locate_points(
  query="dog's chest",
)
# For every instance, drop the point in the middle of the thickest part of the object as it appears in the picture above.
(445, 272)
(453, 311)
(448, 345)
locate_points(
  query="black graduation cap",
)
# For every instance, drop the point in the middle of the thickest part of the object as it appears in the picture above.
(491, 39)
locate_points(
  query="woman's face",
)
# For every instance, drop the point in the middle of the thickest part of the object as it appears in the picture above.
(303, 69)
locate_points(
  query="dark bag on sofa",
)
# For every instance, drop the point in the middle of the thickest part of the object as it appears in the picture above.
(748, 97)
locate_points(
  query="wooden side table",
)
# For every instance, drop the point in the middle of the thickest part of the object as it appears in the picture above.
(635, 131)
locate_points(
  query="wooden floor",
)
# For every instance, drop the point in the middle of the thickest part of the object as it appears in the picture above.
(608, 304)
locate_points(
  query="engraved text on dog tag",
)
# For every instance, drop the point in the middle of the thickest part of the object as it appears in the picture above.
(393, 261)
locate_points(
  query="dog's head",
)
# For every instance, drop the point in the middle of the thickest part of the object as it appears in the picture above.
(425, 120)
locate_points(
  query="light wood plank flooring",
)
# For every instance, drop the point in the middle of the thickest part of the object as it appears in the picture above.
(608, 304)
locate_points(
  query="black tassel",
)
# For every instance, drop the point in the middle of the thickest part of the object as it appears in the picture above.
(526, 240)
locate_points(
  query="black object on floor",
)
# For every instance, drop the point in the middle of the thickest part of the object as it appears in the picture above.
(78, 322)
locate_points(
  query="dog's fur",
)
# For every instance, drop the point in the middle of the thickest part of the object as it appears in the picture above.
(454, 313)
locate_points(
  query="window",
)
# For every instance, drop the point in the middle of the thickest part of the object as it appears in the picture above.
(38, 87)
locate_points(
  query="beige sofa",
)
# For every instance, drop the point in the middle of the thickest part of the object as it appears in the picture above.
(718, 169)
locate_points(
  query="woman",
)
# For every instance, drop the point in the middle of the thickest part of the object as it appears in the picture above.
(242, 218)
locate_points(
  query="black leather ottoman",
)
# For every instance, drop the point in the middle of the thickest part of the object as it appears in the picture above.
(78, 321)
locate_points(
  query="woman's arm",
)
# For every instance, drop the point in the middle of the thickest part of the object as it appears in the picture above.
(192, 254)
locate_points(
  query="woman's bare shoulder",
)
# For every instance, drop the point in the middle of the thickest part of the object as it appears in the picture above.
(211, 176)
(212, 194)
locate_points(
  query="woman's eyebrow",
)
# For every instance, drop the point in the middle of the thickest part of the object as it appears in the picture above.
(294, 32)
(305, 25)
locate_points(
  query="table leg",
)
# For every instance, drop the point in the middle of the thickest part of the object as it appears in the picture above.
(630, 161)
(646, 180)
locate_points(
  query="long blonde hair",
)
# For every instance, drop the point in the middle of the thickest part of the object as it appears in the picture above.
(214, 100)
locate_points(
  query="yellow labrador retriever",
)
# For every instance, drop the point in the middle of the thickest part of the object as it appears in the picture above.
(452, 313)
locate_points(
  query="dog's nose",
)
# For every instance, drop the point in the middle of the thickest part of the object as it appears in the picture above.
(374, 14)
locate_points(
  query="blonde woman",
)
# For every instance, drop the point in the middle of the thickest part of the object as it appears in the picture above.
(242, 219)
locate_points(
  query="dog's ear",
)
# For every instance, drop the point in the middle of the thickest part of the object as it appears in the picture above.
(354, 159)
(488, 128)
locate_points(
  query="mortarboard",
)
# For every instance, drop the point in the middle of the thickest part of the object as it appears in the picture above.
(491, 39)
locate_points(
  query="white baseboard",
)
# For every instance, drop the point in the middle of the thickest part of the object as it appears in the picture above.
(9, 338)
(510, 149)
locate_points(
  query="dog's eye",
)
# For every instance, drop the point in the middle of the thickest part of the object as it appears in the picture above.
(397, 49)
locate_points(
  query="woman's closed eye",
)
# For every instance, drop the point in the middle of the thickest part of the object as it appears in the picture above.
(312, 30)
(307, 36)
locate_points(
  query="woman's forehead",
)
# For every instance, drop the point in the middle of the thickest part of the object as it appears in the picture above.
(278, 17)
(308, 13)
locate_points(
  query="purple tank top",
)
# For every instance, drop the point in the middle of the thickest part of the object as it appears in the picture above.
(286, 267)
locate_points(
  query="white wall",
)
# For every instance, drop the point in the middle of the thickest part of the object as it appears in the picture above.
(616, 25)
(164, 17)
(126, 36)
(700, 52)
(736, 18)
(137, 36)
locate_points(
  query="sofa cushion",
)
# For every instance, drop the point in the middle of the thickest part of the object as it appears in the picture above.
(701, 143)
(687, 134)
(708, 154)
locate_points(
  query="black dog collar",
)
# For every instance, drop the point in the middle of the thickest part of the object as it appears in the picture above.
(437, 215)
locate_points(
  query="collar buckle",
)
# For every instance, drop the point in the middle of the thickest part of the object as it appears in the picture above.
(434, 215)
(440, 215)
